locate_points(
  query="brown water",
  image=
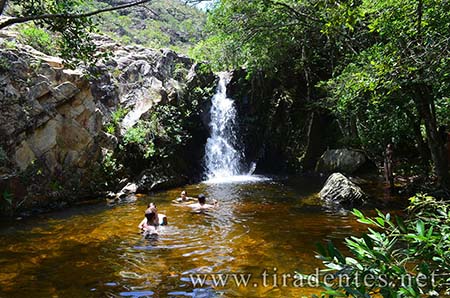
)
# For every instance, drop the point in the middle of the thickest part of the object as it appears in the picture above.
(97, 251)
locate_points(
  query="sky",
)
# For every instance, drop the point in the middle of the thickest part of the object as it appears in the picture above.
(204, 5)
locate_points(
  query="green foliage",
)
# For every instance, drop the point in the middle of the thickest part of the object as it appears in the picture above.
(381, 67)
(116, 117)
(160, 135)
(10, 45)
(110, 166)
(162, 24)
(70, 36)
(401, 258)
(180, 72)
(4, 64)
(143, 134)
(55, 185)
(38, 38)
(8, 203)
(8, 198)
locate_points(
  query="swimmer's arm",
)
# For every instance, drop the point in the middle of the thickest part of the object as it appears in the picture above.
(150, 230)
(142, 224)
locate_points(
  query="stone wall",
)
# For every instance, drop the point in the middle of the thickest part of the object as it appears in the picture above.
(52, 138)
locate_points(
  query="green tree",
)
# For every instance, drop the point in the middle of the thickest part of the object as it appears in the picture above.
(67, 18)
(372, 57)
(407, 68)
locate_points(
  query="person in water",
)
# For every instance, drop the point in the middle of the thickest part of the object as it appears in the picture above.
(183, 198)
(201, 205)
(152, 219)
(388, 165)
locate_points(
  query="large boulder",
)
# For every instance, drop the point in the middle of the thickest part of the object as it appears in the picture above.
(341, 160)
(156, 180)
(339, 190)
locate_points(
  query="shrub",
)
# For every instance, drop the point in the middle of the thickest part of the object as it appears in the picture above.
(160, 134)
(110, 166)
(403, 258)
(116, 117)
(38, 38)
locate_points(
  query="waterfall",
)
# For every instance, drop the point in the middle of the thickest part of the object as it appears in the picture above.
(222, 159)
(223, 156)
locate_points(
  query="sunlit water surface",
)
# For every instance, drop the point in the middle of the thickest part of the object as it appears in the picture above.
(97, 251)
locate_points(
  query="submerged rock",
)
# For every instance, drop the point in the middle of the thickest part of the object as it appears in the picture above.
(128, 192)
(339, 190)
(341, 160)
(150, 180)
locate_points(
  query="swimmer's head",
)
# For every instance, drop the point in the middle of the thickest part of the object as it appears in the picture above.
(150, 214)
(201, 199)
(183, 194)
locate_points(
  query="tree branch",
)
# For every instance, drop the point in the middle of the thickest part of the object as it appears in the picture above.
(24, 19)
(294, 11)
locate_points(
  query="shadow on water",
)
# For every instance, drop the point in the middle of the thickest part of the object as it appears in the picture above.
(97, 251)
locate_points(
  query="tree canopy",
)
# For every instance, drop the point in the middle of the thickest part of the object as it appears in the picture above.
(381, 67)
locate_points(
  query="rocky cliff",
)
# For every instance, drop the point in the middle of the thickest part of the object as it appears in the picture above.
(60, 130)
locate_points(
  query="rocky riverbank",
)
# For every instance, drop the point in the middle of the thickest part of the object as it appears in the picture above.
(72, 134)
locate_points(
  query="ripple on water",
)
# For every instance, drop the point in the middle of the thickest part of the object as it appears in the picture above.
(257, 225)
(237, 179)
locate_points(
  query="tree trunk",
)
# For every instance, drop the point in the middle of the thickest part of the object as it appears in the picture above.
(424, 151)
(2, 6)
(426, 108)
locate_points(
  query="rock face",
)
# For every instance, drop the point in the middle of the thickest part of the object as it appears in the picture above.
(49, 126)
(53, 144)
(339, 190)
(341, 160)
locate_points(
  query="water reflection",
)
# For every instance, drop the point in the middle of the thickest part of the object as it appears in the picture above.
(97, 251)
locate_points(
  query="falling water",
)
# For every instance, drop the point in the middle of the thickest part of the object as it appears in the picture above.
(223, 159)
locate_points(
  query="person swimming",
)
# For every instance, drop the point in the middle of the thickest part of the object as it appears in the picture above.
(183, 198)
(152, 220)
(201, 205)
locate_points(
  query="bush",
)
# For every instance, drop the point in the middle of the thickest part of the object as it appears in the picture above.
(160, 134)
(116, 117)
(38, 38)
(142, 134)
(401, 258)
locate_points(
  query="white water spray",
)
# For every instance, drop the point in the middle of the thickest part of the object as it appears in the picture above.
(223, 158)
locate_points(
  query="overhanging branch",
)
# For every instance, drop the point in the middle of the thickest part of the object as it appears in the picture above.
(24, 19)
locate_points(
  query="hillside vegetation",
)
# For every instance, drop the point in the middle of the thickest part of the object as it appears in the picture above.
(160, 24)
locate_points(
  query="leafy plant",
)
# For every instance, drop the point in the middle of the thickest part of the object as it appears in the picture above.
(400, 258)
(110, 165)
(4, 64)
(8, 197)
(7, 202)
(10, 45)
(38, 38)
(160, 134)
(116, 117)
(55, 185)
(180, 72)
(176, 26)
